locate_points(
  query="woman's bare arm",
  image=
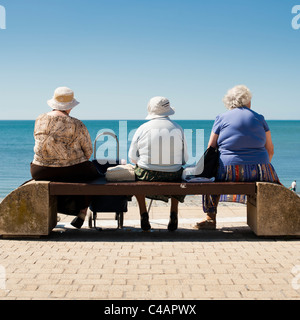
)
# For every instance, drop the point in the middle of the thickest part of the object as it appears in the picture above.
(213, 141)
(269, 145)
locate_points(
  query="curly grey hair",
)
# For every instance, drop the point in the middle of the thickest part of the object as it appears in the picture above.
(236, 97)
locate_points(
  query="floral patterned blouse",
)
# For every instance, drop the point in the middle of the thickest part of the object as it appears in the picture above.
(61, 141)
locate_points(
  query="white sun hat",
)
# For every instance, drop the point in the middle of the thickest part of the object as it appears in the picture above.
(63, 99)
(159, 107)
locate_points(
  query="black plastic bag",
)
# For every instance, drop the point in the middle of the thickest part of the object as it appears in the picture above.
(211, 163)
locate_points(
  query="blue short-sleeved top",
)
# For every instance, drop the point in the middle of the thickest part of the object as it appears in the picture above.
(242, 137)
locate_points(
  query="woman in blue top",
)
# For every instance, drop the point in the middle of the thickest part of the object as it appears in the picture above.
(245, 144)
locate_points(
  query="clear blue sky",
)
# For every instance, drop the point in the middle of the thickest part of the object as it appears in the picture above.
(117, 54)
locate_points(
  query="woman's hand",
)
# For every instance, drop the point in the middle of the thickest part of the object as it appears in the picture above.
(133, 161)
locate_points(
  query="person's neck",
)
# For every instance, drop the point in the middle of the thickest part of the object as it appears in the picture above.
(62, 111)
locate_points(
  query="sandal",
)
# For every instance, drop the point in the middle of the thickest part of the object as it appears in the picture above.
(208, 224)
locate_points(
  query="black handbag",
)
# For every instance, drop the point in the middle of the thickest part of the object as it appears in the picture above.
(211, 163)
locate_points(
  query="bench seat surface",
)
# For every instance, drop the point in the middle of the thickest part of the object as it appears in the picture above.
(102, 187)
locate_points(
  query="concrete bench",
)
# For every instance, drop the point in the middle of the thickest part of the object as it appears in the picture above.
(31, 210)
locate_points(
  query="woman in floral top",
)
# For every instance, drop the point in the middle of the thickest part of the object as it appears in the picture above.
(62, 150)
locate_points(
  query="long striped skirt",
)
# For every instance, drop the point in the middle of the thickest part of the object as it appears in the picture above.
(239, 173)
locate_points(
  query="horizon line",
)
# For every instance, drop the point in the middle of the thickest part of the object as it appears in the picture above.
(145, 119)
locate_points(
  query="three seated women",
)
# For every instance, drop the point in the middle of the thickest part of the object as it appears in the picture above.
(63, 148)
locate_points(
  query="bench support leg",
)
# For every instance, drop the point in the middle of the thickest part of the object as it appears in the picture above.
(28, 211)
(274, 211)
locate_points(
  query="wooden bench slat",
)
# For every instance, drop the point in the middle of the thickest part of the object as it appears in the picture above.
(151, 188)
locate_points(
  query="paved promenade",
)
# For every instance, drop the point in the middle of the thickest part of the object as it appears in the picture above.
(229, 263)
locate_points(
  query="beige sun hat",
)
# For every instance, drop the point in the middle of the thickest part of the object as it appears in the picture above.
(63, 99)
(159, 107)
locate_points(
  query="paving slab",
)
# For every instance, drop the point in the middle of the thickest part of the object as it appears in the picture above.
(128, 264)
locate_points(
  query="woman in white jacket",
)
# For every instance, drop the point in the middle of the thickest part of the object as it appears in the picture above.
(159, 151)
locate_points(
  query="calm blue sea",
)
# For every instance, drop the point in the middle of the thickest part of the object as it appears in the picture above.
(17, 142)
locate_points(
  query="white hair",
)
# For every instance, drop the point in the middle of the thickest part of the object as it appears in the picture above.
(236, 97)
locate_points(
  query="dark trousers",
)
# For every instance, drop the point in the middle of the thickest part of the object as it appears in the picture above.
(83, 172)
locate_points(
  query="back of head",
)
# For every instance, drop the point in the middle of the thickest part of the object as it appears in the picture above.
(237, 97)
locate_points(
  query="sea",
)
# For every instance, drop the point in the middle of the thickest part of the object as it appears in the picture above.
(17, 144)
